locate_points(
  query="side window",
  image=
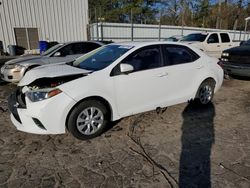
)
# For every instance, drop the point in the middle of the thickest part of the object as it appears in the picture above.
(78, 48)
(179, 55)
(145, 58)
(213, 38)
(224, 38)
(90, 46)
(66, 50)
(72, 49)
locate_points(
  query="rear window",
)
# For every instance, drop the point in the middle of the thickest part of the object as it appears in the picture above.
(90, 46)
(224, 38)
(179, 55)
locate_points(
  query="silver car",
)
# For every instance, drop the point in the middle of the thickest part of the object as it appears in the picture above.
(14, 70)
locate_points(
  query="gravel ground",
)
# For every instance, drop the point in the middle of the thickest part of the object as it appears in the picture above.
(183, 146)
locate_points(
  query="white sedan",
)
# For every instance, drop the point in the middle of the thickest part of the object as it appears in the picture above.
(110, 83)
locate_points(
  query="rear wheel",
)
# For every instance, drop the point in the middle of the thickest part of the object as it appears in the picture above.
(88, 119)
(205, 92)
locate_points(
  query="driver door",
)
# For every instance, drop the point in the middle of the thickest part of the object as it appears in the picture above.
(143, 89)
(213, 46)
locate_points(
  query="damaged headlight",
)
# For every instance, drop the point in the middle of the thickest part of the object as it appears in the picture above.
(40, 95)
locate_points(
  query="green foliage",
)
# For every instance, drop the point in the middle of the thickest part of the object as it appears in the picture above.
(198, 13)
(120, 10)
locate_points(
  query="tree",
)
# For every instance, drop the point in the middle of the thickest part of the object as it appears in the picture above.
(119, 10)
(239, 7)
(223, 14)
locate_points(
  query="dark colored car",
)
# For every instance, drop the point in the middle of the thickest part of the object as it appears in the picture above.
(236, 61)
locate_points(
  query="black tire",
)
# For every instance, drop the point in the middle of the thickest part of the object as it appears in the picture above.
(206, 86)
(72, 124)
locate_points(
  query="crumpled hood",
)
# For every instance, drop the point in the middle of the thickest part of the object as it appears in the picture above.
(50, 71)
(23, 59)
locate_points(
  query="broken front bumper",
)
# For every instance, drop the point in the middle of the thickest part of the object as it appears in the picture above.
(43, 117)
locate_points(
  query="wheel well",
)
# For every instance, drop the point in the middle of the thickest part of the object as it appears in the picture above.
(207, 79)
(97, 98)
(31, 67)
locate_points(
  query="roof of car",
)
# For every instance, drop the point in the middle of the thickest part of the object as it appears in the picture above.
(145, 43)
(139, 44)
(91, 41)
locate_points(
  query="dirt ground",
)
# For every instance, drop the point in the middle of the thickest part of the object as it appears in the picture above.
(184, 146)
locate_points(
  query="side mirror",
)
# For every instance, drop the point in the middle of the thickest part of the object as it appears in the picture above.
(126, 68)
(57, 54)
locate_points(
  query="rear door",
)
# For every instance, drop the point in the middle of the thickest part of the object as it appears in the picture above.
(183, 67)
(213, 46)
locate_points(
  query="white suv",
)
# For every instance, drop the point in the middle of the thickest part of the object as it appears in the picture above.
(110, 83)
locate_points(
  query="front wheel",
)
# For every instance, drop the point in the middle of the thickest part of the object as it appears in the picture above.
(205, 92)
(88, 120)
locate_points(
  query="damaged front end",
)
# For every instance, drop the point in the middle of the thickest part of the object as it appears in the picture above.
(38, 90)
(45, 88)
(16, 100)
(34, 107)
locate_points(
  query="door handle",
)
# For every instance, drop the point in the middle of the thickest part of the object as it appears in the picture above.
(218, 45)
(200, 67)
(162, 74)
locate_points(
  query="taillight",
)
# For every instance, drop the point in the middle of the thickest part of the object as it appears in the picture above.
(220, 63)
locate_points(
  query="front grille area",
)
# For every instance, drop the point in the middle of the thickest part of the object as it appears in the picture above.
(12, 104)
(16, 100)
(20, 98)
(239, 59)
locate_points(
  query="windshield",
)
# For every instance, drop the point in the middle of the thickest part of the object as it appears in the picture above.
(101, 57)
(53, 48)
(200, 37)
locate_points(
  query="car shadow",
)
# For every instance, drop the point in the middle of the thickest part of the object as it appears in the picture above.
(243, 78)
(2, 83)
(112, 127)
(197, 140)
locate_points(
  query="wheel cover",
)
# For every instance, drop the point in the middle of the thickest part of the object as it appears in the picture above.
(89, 121)
(206, 94)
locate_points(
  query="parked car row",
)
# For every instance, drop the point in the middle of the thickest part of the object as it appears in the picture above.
(109, 83)
(236, 61)
(14, 70)
(234, 55)
(212, 43)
